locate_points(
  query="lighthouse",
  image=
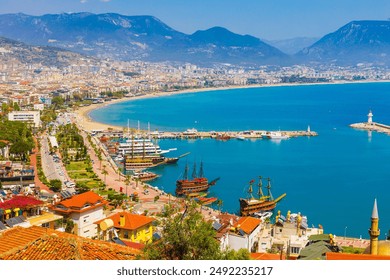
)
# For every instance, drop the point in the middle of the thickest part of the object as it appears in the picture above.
(370, 115)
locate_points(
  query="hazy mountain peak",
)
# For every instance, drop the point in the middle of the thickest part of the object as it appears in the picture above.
(221, 35)
(136, 37)
(365, 41)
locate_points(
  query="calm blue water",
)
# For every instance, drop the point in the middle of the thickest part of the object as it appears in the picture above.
(332, 178)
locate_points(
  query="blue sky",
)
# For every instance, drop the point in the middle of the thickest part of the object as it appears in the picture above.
(266, 19)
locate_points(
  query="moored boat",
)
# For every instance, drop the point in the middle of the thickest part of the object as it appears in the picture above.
(249, 206)
(197, 184)
(136, 163)
(223, 136)
(144, 176)
(206, 200)
(276, 135)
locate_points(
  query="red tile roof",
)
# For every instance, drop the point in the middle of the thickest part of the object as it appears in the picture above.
(134, 245)
(81, 199)
(345, 256)
(20, 201)
(80, 203)
(37, 243)
(266, 256)
(247, 224)
(132, 221)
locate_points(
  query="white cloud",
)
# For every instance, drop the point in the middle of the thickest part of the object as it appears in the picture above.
(105, 0)
(83, 1)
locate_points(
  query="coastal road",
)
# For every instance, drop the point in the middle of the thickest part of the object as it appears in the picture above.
(52, 169)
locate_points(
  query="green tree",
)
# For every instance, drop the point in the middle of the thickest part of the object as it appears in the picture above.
(5, 108)
(16, 106)
(82, 187)
(105, 173)
(127, 182)
(69, 225)
(55, 185)
(185, 236)
(241, 254)
(116, 199)
(21, 148)
(57, 102)
(100, 157)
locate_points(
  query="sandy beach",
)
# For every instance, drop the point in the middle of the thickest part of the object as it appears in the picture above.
(85, 122)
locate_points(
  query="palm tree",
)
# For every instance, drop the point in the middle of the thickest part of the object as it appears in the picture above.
(119, 174)
(136, 182)
(104, 172)
(100, 157)
(127, 182)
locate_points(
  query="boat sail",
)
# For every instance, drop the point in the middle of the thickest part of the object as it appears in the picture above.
(198, 183)
(251, 205)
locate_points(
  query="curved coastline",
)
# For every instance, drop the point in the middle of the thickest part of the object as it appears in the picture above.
(83, 118)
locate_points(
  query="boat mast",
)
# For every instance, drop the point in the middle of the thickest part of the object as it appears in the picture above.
(143, 146)
(194, 172)
(260, 185)
(269, 189)
(132, 145)
(128, 129)
(250, 190)
(185, 175)
(201, 173)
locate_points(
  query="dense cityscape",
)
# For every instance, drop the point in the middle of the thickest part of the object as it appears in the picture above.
(90, 78)
(74, 189)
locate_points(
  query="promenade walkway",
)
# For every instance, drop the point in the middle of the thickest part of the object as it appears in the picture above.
(33, 160)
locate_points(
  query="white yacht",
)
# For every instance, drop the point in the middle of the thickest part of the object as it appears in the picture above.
(277, 135)
(190, 131)
(140, 146)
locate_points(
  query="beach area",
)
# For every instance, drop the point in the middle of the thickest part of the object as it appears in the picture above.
(86, 123)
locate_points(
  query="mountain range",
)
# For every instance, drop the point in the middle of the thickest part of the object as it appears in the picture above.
(147, 38)
(12, 51)
(365, 42)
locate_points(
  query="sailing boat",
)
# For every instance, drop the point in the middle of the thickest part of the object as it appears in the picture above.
(251, 205)
(141, 153)
(198, 183)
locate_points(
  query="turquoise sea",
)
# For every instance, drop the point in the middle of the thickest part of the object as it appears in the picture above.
(333, 178)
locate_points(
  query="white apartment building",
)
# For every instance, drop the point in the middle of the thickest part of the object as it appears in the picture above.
(26, 116)
(245, 234)
(84, 210)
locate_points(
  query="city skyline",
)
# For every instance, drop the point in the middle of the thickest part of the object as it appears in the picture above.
(262, 19)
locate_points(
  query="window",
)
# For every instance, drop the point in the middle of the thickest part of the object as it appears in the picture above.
(294, 250)
(126, 234)
(86, 205)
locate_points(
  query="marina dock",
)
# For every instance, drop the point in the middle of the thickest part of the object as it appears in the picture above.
(218, 135)
(372, 127)
(226, 135)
